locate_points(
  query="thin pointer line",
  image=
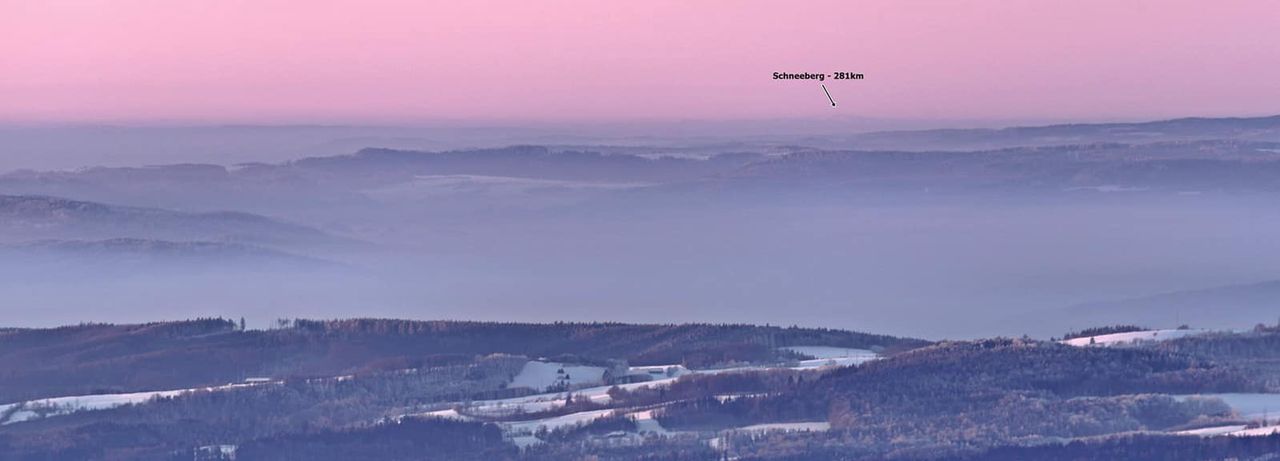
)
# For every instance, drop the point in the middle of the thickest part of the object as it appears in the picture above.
(824, 90)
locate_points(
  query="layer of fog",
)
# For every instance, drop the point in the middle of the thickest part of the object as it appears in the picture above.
(939, 267)
(1033, 240)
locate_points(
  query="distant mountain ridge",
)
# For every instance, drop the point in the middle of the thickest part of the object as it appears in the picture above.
(1219, 307)
(1208, 165)
(30, 217)
(1266, 128)
(519, 161)
(1181, 155)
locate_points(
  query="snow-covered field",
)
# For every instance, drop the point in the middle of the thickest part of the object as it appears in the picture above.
(815, 426)
(1254, 407)
(1235, 430)
(62, 405)
(539, 376)
(832, 362)
(522, 432)
(1133, 337)
(1248, 406)
(546, 373)
(451, 413)
(218, 451)
(645, 422)
(1214, 431)
(731, 397)
(659, 371)
(43, 408)
(828, 356)
(550, 424)
(829, 352)
(1257, 431)
(542, 402)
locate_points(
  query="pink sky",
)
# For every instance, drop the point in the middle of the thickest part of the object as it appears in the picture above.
(391, 61)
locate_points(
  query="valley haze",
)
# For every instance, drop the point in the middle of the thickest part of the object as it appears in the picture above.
(987, 231)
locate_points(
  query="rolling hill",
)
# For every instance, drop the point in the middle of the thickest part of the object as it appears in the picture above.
(26, 218)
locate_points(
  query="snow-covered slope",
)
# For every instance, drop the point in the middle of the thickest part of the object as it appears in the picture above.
(815, 426)
(659, 371)
(1234, 430)
(645, 422)
(539, 376)
(529, 427)
(43, 408)
(830, 352)
(1214, 430)
(1254, 407)
(538, 373)
(828, 356)
(1257, 431)
(1133, 337)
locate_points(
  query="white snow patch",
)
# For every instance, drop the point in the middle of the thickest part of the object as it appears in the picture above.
(547, 401)
(539, 376)
(556, 422)
(659, 371)
(829, 356)
(448, 414)
(830, 352)
(600, 394)
(826, 363)
(223, 451)
(33, 409)
(815, 426)
(722, 398)
(524, 441)
(1132, 338)
(1257, 431)
(645, 422)
(1212, 431)
(520, 431)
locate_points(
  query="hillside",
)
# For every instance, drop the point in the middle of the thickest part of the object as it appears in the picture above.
(355, 392)
(121, 358)
(26, 218)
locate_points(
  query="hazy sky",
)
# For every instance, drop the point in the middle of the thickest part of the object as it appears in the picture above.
(392, 61)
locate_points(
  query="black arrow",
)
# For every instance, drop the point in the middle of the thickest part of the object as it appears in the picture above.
(824, 90)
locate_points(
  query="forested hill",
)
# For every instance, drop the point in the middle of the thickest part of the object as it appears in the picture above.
(101, 358)
(423, 390)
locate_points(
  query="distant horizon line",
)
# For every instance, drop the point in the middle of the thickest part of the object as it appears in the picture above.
(498, 123)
